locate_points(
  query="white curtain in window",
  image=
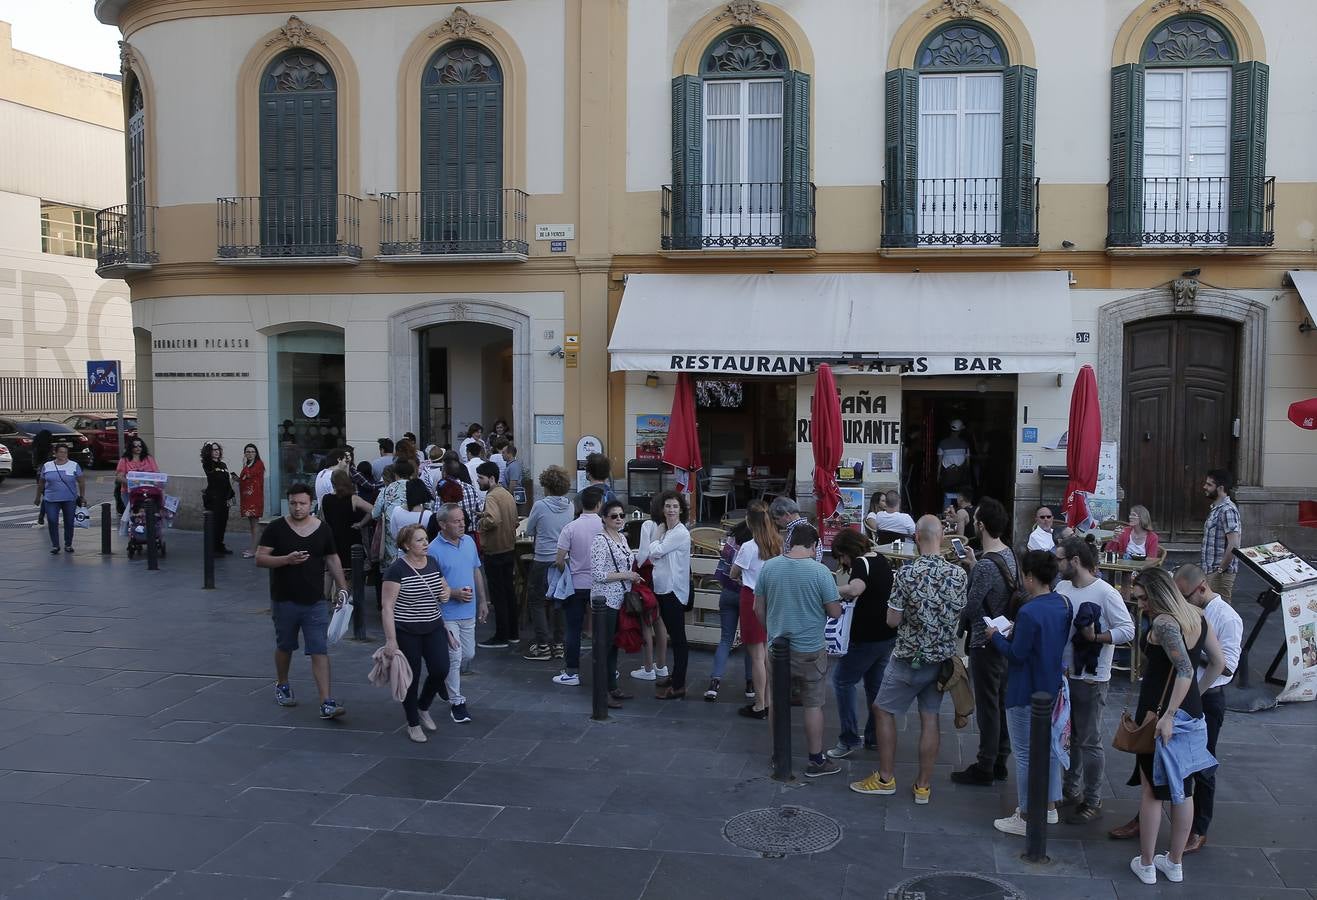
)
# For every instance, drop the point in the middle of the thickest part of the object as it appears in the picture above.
(1186, 154)
(742, 156)
(959, 159)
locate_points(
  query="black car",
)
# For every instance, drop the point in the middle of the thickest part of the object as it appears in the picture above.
(20, 434)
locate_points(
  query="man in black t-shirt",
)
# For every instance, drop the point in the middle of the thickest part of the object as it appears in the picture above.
(296, 549)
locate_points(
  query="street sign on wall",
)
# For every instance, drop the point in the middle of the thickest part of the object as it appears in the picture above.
(103, 376)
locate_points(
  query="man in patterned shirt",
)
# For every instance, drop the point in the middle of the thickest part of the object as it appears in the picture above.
(786, 513)
(928, 595)
(1221, 534)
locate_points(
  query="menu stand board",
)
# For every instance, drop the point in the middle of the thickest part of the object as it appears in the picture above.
(1296, 582)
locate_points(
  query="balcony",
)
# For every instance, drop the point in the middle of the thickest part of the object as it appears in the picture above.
(308, 229)
(1192, 213)
(961, 213)
(454, 226)
(741, 216)
(125, 240)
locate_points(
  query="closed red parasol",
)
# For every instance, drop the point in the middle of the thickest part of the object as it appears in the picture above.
(682, 449)
(1083, 447)
(1304, 414)
(825, 431)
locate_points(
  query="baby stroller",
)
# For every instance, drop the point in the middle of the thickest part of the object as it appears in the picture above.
(140, 531)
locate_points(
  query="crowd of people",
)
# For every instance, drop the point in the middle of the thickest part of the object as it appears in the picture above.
(1032, 619)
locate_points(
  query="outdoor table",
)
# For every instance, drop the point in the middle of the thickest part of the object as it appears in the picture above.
(909, 551)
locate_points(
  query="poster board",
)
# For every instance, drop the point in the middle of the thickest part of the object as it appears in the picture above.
(651, 435)
(849, 515)
(1104, 505)
(1296, 580)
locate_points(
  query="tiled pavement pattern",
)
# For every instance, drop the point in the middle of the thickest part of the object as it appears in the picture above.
(142, 755)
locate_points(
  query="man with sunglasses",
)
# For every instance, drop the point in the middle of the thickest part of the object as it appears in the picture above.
(1043, 537)
(1192, 582)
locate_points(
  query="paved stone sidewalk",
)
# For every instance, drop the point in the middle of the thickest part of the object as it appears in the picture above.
(142, 755)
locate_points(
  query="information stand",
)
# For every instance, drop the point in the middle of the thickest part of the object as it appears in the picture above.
(1294, 580)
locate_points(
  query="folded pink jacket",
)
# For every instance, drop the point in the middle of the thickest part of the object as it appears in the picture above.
(391, 671)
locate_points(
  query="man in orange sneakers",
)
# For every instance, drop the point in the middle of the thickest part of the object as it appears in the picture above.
(927, 598)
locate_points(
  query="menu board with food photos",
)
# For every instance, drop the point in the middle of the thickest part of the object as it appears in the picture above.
(1296, 579)
(1280, 566)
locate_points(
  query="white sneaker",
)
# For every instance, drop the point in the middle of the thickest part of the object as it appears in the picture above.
(1012, 824)
(1053, 817)
(416, 734)
(565, 679)
(427, 721)
(1146, 874)
(1173, 872)
(643, 674)
(661, 671)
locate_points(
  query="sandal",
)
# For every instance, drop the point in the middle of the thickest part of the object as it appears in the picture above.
(669, 693)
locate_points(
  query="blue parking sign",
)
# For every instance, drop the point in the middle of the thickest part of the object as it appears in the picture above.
(103, 376)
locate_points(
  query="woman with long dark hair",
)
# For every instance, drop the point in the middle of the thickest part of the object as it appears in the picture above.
(218, 493)
(670, 552)
(765, 543)
(251, 492)
(136, 458)
(611, 575)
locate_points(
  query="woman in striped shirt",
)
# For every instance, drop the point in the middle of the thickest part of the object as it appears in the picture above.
(414, 588)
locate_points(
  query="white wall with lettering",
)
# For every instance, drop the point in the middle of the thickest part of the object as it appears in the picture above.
(870, 423)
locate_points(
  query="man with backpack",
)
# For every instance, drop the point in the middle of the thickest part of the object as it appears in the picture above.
(993, 582)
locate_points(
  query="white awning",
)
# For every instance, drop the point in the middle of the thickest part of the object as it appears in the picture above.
(1306, 284)
(917, 324)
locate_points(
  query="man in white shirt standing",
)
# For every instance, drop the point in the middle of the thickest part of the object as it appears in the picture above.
(1042, 536)
(1082, 784)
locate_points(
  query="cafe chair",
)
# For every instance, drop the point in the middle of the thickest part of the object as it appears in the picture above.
(715, 487)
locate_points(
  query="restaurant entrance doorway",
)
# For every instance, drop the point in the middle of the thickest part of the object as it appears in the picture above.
(976, 433)
(747, 425)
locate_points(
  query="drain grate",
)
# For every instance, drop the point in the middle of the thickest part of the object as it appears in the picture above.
(783, 830)
(954, 886)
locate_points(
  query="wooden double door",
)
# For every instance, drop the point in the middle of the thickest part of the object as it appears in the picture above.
(1179, 417)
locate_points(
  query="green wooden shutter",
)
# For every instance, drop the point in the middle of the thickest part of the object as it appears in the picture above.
(901, 159)
(687, 160)
(462, 166)
(1019, 227)
(1125, 192)
(797, 215)
(1248, 155)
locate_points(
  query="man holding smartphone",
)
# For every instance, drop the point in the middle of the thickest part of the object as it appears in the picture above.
(297, 548)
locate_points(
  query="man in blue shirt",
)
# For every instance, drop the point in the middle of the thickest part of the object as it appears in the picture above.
(468, 601)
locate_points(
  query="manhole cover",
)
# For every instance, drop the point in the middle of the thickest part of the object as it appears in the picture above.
(954, 886)
(782, 830)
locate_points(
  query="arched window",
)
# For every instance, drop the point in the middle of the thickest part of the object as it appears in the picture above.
(740, 150)
(137, 211)
(299, 155)
(960, 144)
(461, 151)
(1188, 141)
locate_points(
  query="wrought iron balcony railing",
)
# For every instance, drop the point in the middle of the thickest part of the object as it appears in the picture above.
(960, 212)
(125, 238)
(1192, 212)
(453, 223)
(745, 215)
(291, 227)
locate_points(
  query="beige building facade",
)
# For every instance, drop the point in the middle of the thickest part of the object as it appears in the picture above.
(374, 217)
(61, 160)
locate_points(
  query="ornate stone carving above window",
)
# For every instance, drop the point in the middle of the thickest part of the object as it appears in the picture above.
(295, 33)
(962, 9)
(1187, 5)
(297, 72)
(744, 53)
(463, 64)
(461, 24)
(1188, 41)
(126, 57)
(960, 48)
(743, 12)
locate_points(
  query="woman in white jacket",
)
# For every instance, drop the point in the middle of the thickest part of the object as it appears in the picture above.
(670, 552)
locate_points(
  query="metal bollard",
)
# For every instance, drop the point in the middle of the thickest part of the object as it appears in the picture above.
(152, 545)
(106, 548)
(358, 592)
(208, 550)
(780, 713)
(599, 614)
(1040, 768)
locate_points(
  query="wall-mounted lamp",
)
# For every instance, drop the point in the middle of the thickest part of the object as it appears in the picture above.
(1306, 326)
(557, 352)
(1068, 245)
(1058, 379)
(652, 380)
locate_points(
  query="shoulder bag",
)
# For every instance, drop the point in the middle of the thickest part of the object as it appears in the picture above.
(1141, 737)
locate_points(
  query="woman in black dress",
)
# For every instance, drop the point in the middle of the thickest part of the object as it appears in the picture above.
(1179, 636)
(345, 513)
(218, 493)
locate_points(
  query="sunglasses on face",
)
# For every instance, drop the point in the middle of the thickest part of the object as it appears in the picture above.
(1041, 516)
(616, 516)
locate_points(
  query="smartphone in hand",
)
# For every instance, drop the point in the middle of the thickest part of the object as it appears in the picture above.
(958, 546)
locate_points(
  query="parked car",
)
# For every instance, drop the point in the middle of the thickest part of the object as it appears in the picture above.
(103, 432)
(6, 462)
(18, 436)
